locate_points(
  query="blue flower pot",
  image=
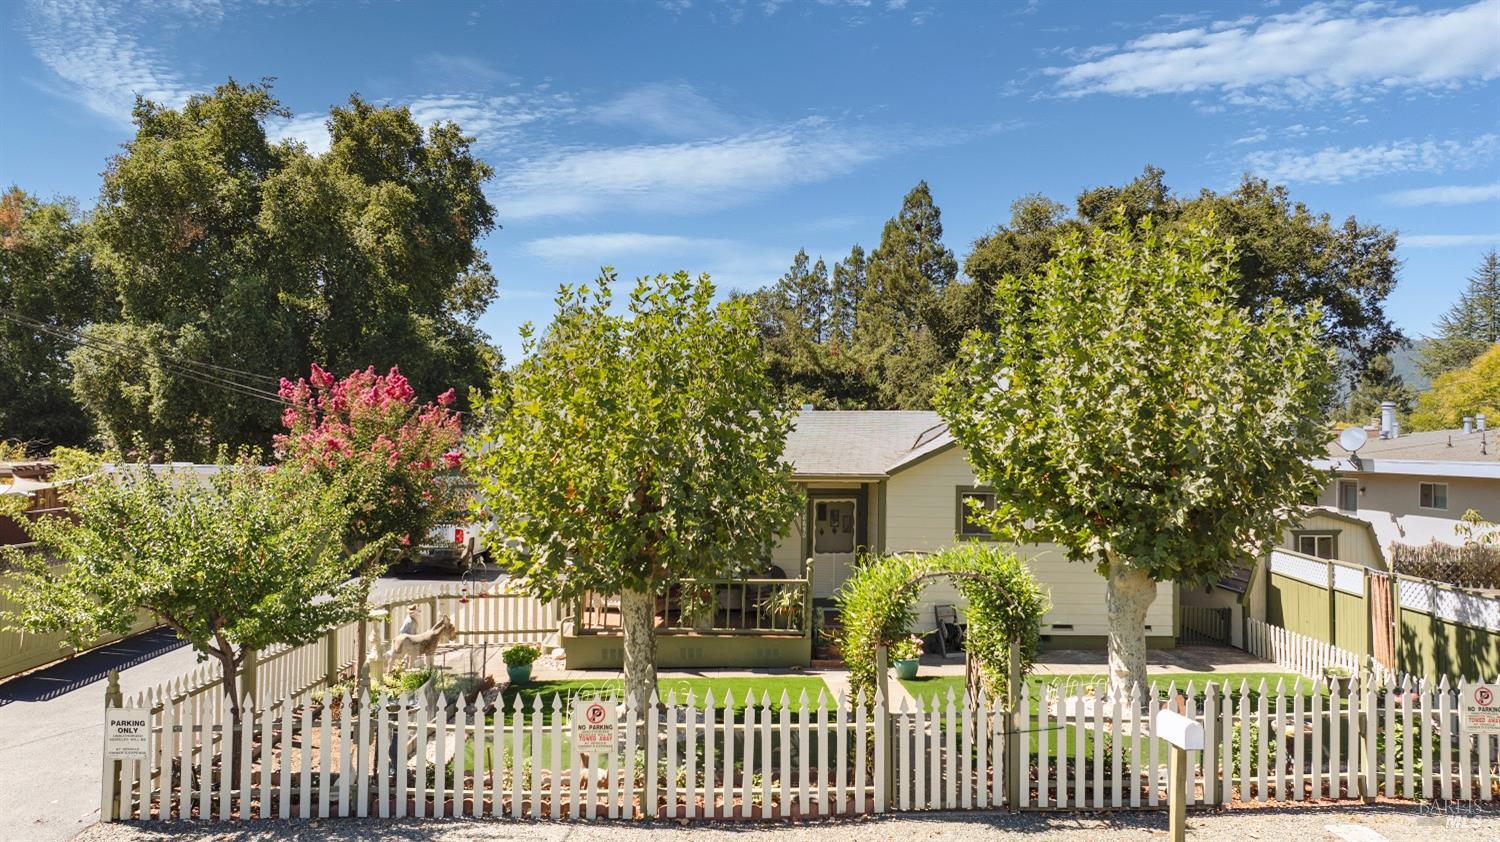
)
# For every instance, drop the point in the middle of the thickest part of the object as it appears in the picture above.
(907, 669)
(520, 674)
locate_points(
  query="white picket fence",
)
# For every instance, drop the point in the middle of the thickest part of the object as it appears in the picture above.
(1302, 654)
(813, 757)
(483, 613)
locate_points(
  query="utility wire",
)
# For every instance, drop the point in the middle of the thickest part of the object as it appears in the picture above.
(77, 335)
(123, 350)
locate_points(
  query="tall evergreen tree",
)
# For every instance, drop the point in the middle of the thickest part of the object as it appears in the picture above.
(1470, 326)
(907, 275)
(847, 290)
(1379, 383)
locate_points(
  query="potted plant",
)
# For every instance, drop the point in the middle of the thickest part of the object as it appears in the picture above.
(1340, 677)
(698, 606)
(905, 655)
(518, 660)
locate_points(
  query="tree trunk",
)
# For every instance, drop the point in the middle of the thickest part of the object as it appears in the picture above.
(637, 616)
(229, 681)
(1128, 595)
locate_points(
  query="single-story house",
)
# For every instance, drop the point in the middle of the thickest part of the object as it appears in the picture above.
(896, 481)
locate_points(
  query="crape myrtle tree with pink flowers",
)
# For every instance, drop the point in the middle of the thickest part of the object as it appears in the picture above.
(368, 436)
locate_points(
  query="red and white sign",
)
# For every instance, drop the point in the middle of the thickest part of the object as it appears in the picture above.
(594, 725)
(1480, 709)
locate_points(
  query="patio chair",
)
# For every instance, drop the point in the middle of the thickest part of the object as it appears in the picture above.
(949, 633)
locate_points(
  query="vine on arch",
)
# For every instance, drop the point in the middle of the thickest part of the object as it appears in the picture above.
(877, 605)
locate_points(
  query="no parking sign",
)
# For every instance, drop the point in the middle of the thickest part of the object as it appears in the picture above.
(1481, 709)
(594, 726)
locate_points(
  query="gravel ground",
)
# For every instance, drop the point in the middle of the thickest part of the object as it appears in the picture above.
(1349, 824)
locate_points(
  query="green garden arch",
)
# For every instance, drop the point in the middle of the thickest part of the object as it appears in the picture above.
(1005, 606)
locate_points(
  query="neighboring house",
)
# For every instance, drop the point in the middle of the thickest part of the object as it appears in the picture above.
(1411, 488)
(896, 481)
(31, 480)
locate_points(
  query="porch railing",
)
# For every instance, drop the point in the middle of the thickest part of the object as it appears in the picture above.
(759, 606)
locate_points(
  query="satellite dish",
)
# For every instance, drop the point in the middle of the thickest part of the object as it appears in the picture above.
(1353, 438)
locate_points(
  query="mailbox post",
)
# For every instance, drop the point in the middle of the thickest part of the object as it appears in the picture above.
(1182, 735)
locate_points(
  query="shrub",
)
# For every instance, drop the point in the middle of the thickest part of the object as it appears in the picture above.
(521, 656)
(877, 607)
(906, 648)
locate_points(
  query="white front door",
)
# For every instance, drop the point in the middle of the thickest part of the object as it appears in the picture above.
(833, 538)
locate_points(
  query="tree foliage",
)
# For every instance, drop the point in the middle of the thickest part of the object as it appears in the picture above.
(1462, 392)
(628, 452)
(1379, 383)
(1127, 408)
(223, 248)
(238, 561)
(369, 436)
(1470, 326)
(48, 287)
(877, 607)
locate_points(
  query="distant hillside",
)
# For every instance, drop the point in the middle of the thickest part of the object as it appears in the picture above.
(1405, 362)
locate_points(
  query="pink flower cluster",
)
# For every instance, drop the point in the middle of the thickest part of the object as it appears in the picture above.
(368, 417)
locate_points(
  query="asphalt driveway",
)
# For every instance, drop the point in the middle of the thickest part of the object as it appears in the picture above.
(52, 727)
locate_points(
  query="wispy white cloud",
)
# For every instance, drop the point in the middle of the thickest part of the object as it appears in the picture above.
(731, 263)
(1257, 136)
(1451, 194)
(681, 177)
(610, 246)
(672, 109)
(311, 130)
(494, 120)
(1434, 241)
(99, 60)
(1320, 50)
(1335, 164)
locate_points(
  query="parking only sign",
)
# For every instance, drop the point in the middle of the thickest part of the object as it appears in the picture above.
(125, 733)
(1481, 709)
(594, 726)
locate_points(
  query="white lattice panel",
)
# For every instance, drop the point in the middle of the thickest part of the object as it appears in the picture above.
(1349, 580)
(1299, 568)
(1415, 595)
(1478, 611)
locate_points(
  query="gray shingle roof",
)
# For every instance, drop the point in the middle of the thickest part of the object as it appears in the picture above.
(1438, 445)
(861, 443)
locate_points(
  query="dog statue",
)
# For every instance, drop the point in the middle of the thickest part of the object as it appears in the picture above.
(423, 644)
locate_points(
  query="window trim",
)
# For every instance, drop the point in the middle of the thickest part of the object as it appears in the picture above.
(1442, 508)
(1331, 534)
(1339, 495)
(959, 509)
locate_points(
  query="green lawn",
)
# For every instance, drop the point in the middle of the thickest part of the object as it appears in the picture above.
(925, 687)
(735, 689)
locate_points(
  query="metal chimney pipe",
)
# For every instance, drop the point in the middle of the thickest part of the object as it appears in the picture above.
(1468, 425)
(1479, 422)
(1387, 419)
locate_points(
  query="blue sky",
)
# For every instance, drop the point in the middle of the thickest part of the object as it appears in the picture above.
(721, 136)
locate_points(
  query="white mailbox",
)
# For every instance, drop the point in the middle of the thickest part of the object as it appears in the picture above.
(1178, 730)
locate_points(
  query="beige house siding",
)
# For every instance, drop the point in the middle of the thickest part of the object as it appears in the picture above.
(1390, 503)
(1356, 542)
(922, 515)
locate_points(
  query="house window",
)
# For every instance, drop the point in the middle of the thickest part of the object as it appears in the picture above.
(1317, 544)
(982, 498)
(1348, 495)
(1433, 495)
